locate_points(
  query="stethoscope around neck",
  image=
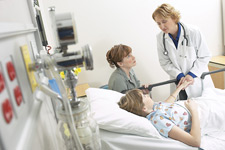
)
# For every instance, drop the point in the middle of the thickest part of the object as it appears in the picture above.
(164, 45)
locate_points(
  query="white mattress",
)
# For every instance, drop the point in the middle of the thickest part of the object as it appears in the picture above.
(117, 141)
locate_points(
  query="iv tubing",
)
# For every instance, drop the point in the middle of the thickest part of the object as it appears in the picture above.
(66, 102)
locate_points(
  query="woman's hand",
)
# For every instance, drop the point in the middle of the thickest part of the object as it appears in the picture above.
(145, 90)
(191, 105)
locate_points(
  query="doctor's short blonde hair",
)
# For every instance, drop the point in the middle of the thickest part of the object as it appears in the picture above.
(166, 11)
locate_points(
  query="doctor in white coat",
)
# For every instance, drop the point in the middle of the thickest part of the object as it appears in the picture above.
(182, 51)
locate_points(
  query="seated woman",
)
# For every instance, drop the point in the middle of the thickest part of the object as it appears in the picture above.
(171, 119)
(123, 78)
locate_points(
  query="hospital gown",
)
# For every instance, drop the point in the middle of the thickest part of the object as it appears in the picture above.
(165, 115)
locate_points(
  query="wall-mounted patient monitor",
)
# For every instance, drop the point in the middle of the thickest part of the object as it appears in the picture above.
(66, 30)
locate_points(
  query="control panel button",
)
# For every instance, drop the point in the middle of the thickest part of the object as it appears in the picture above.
(11, 70)
(7, 111)
(2, 82)
(18, 95)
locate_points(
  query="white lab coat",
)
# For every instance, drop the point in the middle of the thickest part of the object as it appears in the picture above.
(192, 58)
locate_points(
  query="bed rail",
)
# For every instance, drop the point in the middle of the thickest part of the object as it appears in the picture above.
(160, 83)
(211, 72)
(174, 80)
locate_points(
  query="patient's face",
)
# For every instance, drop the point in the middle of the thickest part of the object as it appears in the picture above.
(148, 102)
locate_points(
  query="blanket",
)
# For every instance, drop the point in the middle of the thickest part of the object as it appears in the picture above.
(212, 118)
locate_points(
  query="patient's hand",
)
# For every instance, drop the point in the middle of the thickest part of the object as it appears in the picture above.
(185, 84)
(191, 105)
(185, 81)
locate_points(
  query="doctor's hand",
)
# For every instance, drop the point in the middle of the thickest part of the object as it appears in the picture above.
(189, 79)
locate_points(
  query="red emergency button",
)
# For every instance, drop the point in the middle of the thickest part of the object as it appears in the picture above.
(2, 82)
(11, 70)
(18, 95)
(7, 111)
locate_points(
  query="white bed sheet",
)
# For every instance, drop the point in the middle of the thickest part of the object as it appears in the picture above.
(213, 142)
(118, 141)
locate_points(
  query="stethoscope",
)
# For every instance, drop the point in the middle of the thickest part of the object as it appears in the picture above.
(164, 45)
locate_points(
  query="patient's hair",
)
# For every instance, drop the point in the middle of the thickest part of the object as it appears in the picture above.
(133, 102)
(165, 11)
(116, 54)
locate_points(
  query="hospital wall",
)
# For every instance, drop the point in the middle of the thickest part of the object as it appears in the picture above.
(104, 23)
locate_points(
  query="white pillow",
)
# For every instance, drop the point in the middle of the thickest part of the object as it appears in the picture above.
(110, 117)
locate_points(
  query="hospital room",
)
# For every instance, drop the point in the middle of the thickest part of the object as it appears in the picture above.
(112, 75)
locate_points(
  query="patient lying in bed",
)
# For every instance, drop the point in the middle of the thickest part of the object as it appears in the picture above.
(110, 117)
(177, 120)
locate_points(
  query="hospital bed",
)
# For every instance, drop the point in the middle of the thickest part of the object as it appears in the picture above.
(117, 141)
(121, 130)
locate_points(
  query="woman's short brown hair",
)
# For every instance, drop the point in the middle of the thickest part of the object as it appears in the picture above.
(166, 11)
(116, 54)
(133, 102)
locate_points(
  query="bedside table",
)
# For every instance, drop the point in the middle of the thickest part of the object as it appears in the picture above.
(217, 62)
(80, 89)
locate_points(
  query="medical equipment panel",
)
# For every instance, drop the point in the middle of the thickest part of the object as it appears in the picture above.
(16, 95)
(20, 115)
